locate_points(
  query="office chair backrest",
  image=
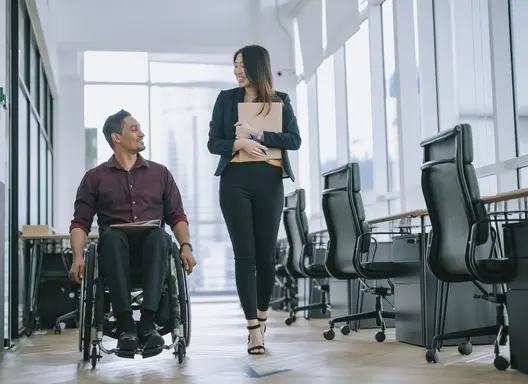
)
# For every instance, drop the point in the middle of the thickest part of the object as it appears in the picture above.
(296, 226)
(451, 192)
(345, 219)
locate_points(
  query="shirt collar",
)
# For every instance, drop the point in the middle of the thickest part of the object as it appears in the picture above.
(140, 162)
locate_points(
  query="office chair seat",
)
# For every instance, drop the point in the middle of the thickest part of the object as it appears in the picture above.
(281, 271)
(384, 269)
(317, 271)
(501, 269)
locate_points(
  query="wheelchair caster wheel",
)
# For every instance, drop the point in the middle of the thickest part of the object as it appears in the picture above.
(94, 357)
(180, 351)
(28, 332)
(465, 348)
(329, 334)
(380, 337)
(345, 330)
(501, 363)
(432, 356)
(58, 330)
(290, 320)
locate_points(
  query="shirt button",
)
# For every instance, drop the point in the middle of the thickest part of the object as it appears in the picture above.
(133, 202)
(135, 218)
(130, 185)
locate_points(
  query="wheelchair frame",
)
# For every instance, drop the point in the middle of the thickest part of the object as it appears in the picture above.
(95, 321)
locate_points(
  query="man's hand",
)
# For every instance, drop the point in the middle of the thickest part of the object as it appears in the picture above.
(188, 259)
(77, 270)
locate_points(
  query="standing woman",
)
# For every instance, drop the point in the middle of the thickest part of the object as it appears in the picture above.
(252, 193)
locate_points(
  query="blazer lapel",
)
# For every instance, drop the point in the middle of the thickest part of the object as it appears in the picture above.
(239, 98)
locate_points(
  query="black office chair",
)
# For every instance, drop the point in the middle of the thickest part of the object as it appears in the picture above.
(462, 243)
(300, 261)
(285, 285)
(350, 240)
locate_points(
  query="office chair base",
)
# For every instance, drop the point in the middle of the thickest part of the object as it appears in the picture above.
(378, 314)
(500, 330)
(324, 307)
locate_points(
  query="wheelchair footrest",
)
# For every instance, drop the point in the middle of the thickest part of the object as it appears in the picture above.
(150, 352)
(126, 354)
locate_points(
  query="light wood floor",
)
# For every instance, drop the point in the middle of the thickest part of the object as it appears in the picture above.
(298, 354)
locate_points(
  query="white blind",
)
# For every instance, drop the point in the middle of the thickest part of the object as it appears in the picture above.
(342, 21)
(310, 24)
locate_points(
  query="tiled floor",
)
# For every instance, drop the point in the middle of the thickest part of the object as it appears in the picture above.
(296, 354)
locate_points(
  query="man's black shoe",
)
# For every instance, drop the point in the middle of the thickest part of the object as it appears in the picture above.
(128, 344)
(150, 339)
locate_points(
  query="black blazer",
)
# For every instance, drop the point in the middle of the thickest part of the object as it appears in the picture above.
(222, 130)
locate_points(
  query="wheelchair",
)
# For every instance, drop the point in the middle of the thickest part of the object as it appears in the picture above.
(97, 321)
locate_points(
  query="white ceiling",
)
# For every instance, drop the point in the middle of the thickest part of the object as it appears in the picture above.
(160, 26)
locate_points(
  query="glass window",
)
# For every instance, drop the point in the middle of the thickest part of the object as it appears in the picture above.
(299, 67)
(179, 140)
(49, 117)
(391, 96)
(33, 170)
(488, 185)
(23, 49)
(465, 91)
(305, 160)
(326, 115)
(116, 67)
(50, 188)
(359, 108)
(161, 72)
(518, 15)
(43, 182)
(34, 72)
(43, 84)
(101, 101)
(23, 176)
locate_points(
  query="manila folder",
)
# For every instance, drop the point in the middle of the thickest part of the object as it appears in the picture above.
(270, 120)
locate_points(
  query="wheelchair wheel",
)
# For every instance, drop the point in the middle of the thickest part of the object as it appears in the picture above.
(88, 293)
(183, 296)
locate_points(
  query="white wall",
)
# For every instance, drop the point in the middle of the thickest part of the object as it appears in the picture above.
(69, 140)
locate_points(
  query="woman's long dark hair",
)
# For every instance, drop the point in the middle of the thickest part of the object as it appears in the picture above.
(257, 67)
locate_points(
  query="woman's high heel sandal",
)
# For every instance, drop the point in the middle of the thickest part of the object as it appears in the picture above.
(257, 349)
(262, 328)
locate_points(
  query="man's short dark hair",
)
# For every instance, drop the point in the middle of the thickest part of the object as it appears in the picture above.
(114, 124)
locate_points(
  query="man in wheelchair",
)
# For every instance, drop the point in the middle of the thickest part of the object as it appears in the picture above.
(129, 189)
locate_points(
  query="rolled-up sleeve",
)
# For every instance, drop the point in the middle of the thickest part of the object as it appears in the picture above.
(85, 203)
(174, 212)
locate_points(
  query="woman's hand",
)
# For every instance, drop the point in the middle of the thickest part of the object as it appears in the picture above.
(244, 130)
(253, 148)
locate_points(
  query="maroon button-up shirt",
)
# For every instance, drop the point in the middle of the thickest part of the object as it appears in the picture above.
(117, 196)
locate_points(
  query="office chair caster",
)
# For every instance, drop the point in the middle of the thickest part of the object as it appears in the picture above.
(290, 320)
(380, 337)
(329, 334)
(501, 363)
(345, 330)
(465, 348)
(432, 356)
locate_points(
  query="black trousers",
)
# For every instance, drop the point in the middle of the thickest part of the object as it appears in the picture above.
(124, 259)
(251, 199)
